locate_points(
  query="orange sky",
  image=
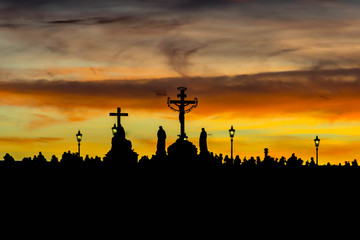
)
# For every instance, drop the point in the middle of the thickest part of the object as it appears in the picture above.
(281, 72)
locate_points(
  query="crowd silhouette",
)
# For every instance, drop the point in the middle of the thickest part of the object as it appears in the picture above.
(122, 156)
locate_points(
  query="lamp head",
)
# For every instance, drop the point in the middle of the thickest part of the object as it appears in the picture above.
(114, 129)
(232, 131)
(317, 141)
(79, 136)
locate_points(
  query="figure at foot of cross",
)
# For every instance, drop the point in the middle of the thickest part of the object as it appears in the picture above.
(160, 147)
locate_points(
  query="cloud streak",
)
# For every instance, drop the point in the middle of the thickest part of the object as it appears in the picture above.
(329, 94)
(20, 140)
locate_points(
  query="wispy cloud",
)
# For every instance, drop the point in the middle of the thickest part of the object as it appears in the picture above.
(189, 37)
(40, 121)
(30, 140)
(178, 51)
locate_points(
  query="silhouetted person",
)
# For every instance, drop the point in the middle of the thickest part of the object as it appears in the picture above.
(252, 162)
(258, 161)
(8, 159)
(237, 161)
(228, 161)
(40, 159)
(26, 161)
(293, 161)
(354, 163)
(282, 161)
(312, 162)
(161, 142)
(54, 160)
(71, 160)
(202, 142)
(144, 161)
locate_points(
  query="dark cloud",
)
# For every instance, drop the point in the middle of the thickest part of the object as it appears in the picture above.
(9, 25)
(201, 4)
(94, 20)
(180, 4)
(175, 5)
(283, 51)
(26, 3)
(70, 21)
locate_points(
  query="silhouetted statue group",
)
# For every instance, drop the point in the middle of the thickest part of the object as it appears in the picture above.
(181, 154)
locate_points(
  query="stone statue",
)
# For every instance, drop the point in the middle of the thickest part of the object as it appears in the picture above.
(161, 134)
(202, 142)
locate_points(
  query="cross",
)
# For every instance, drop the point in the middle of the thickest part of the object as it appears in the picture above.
(118, 114)
(181, 104)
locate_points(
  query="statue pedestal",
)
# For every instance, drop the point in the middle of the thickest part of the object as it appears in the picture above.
(182, 152)
(160, 154)
(121, 153)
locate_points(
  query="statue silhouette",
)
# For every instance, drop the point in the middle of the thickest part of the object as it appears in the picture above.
(202, 142)
(121, 152)
(121, 132)
(161, 134)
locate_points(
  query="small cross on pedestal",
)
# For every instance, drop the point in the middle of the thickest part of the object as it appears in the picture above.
(118, 114)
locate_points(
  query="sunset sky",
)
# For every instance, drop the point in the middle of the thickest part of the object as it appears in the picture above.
(280, 71)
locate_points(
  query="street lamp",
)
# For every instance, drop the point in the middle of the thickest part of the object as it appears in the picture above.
(232, 133)
(317, 142)
(78, 138)
(114, 129)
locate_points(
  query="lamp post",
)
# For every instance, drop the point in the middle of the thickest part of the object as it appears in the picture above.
(317, 142)
(232, 133)
(78, 138)
(114, 129)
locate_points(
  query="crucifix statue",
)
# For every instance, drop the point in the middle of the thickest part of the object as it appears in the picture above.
(181, 104)
(118, 114)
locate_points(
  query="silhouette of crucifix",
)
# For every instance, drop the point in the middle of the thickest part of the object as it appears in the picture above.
(181, 104)
(118, 114)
